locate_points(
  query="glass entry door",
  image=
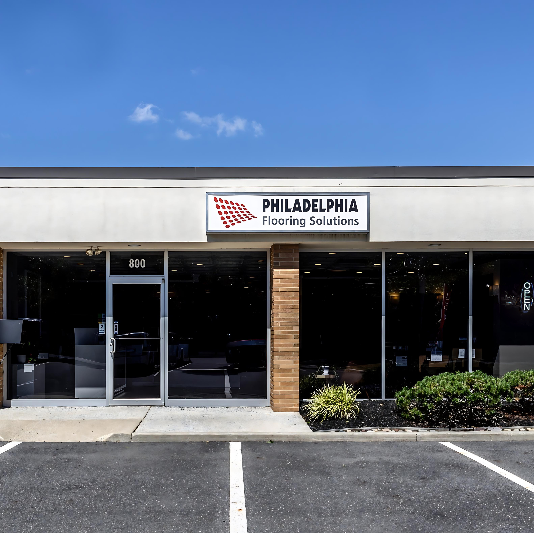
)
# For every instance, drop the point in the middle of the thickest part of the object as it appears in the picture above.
(136, 342)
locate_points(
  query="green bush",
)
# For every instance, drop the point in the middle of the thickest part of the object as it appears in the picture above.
(460, 399)
(333, 401)
(521, 384)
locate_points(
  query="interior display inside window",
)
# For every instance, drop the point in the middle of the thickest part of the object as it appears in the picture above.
(503, 314)
(427, 313)
(340, 321)
(61, 299)
(217, 325)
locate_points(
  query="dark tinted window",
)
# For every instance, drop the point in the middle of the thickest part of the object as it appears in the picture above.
(61, 298)
(426, 316)
(503, 317)
(340, 326)
(217, 325)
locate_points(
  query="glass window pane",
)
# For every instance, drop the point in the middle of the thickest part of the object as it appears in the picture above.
(217, 325)
(61, 298)
(426, 316)
(136, 333)
(340, 320)
(503, 318)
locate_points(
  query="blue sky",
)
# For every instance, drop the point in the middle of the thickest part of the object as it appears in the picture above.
(273, 83)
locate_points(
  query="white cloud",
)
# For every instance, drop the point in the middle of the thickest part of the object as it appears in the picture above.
(229, 128)
(258, 128)
(223, 126)
(183, 135)
(144, 113)
(196, 71)
(193, 117)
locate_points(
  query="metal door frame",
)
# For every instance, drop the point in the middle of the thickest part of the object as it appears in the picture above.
(135, 280)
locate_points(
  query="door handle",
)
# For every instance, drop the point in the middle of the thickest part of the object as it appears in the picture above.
(112, 344)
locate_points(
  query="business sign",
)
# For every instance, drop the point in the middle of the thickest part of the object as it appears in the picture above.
(526, 296)
(287, 213)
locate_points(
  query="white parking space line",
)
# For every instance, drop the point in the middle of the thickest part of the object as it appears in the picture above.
(491, 466)
(238, 512)
(8, 446)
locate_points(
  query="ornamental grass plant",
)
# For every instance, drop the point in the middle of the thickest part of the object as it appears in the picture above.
(333, 402)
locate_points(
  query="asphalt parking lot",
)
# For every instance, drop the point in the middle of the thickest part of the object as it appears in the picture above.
(297, 487)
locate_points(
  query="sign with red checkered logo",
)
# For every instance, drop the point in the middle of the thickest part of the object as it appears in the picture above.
(287, 213)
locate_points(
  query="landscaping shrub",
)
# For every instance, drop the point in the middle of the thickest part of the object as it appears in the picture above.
(333, 401)
(460, 399)
(521, 385)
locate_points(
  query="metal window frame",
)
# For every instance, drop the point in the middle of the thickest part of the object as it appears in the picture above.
(239, 402)
(469, 252)
(383, 252)
(383, 330)
(470, 316)
(231, 402)
(53, 402)
(5, 401)
(134, 280)
(164, 281)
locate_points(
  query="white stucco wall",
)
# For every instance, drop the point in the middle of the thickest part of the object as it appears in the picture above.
(173, 211)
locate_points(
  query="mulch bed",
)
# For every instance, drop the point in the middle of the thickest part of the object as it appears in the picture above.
(383, 414)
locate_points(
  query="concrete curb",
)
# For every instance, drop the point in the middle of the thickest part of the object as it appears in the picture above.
(481, 436)
(370, 436)
(221, 437)
(116, 437)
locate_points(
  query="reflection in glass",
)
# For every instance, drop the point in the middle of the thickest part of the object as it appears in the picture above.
(61, 298)
(217, 325)
(503, 314)
(341, 320)
(426, 316)
(136, 322)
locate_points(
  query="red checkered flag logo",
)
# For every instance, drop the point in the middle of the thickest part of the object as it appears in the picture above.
(231, 213)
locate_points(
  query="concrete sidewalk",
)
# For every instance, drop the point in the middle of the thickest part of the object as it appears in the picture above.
(69, 424)
(147, 424)
(219, 423)
(179, 424)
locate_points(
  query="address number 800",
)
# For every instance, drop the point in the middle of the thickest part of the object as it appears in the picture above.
(137, 263)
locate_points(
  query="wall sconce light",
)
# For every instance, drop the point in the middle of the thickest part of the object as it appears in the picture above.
(93, 251)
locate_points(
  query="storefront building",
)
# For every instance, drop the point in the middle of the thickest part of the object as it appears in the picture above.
(239, 286)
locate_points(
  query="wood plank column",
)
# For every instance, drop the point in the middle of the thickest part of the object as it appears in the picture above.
(285, 327)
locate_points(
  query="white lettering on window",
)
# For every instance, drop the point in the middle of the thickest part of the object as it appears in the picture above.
(137, 263)
(527, 296)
